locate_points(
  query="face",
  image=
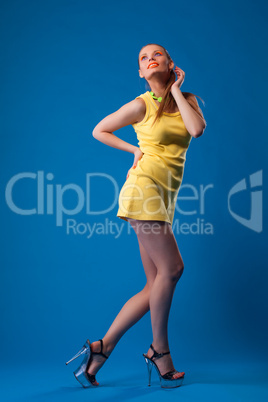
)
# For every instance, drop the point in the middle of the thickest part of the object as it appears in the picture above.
(153, 59)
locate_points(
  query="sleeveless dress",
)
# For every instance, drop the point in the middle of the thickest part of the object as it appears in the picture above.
(150, 192)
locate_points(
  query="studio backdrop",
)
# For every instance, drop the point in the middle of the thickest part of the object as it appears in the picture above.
(68, 263)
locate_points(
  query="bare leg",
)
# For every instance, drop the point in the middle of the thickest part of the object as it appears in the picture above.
(132, 311)
(161, 246)
(163, 267)
(135, 308)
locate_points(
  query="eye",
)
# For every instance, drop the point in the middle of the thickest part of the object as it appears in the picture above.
(156, 53)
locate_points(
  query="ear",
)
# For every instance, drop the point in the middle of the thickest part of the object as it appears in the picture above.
(140, 74)
(171, 65)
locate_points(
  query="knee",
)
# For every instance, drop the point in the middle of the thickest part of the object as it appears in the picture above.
(177, 272)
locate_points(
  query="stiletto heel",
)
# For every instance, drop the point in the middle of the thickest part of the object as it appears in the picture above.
(149, 367)
(81, 374)
(166, 380)
(81, 352)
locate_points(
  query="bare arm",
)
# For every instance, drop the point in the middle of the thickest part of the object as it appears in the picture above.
(128, 114)
(193, 121)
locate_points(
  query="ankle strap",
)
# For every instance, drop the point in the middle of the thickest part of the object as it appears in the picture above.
(156, 354)
(101, 341)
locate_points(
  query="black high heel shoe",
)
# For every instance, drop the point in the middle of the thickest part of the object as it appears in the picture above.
(81, 374)
(166, 380)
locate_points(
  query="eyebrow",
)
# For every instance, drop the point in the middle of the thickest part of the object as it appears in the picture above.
(158, 50)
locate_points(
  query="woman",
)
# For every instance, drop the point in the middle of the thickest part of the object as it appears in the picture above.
(165, 120)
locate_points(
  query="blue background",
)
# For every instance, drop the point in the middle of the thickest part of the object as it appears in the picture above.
(66, 65)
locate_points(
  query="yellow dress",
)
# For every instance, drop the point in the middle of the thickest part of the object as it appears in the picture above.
(150, 192)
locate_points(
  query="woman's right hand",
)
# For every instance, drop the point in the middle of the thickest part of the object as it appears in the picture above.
(138, 154)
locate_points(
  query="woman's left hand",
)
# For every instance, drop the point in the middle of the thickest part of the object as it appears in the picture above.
(180, 77)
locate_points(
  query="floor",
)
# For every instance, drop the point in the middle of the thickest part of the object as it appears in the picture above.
(207, 383)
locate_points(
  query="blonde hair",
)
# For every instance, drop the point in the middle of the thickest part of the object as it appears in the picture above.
(168, 102)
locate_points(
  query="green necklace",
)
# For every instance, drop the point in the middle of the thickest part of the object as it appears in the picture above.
(155, 97)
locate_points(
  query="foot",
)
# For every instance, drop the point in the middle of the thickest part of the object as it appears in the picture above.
(164, 363)
(97, 361)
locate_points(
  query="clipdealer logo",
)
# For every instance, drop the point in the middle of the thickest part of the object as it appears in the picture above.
(256, 213)
(47, 191)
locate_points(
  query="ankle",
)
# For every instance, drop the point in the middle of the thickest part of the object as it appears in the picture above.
(160, 347)
(108, 346)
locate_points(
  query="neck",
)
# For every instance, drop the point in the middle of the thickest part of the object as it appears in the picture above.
(158, 87)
